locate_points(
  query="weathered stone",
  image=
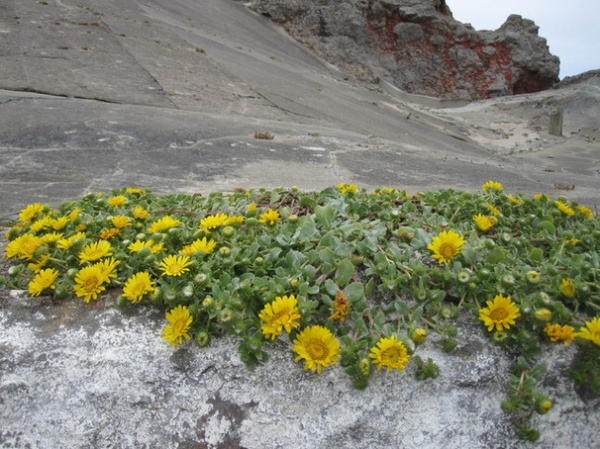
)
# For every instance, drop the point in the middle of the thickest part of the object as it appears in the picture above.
(432, 53)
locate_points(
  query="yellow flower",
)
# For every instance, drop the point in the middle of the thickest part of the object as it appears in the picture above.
(70, 241)
(419, 335)
(42, 223)
(41, 263)
(567, 287)
(318, 347)
(514, 199)
(234, 219)
(23, 246)
(251, 207)
(88, 282)
(541, 197)
(280, 314)
(500, 313)
(31, 211)
(137, 286)
(175, 265)
(345, 188)
(138, 245)
(180, 320)
(572, 241)
(533, 276)
(204, 246)
(391, 353)
(493, 209)
(95, 251)
(108, 234)
(52, 237)
(120, 221)
(544, 406)
(133, 191)
(485, 222)
(446, 245)
(117, 201)
(59, 223)
(213, 221)
(556, 332)
(140, 213)
(586, 211)
(269, 217)
(564, 208)
(107, 267)
(42, 281)
(74, 214)
(163, 224)
(341, 306)
(492, 185)
(591, 331)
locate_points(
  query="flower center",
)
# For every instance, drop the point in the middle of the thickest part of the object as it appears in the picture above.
(317, 350)
(447, 250)
(91, 283)
(175, 268)
(391, 355)
(179, 326)
(498, 314)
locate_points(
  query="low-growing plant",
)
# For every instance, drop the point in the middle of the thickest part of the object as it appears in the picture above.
(349, 276)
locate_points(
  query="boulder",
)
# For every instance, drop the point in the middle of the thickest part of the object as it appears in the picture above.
(418, 46)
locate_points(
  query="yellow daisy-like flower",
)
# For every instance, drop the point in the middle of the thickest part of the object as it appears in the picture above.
(59, 223)
(165, 223)
(485, 222)
(140, 213)
(108, 234)
(251, 207)
(42, 281)
(567, 287)
(533, 276)
(134, 191)
(70, 241)
(95, 251)
(203, 245)
(543, 314)
(345, 188)
(108, 268)
(515, 200)
(446, 245)
(564, 208)
(74, 214)
(269, 217)
(175, 265)
(31, 211)
(41, 263)
(500, 313)
(120, 221)
(137, 286)
(234, 219)
(88, 282)
(52, 237)
(586, 211)
(318, 347)
(280, 314)
(180, 321)
(117, 201)
(541, 197)
(493, 209)
(391, 353)
(591, 331)
(211, 222)
(139, 245)
(23, 246)
(42, 223)
(556, 332)
(492, 185)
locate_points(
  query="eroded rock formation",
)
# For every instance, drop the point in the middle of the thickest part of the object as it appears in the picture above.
(419, 47)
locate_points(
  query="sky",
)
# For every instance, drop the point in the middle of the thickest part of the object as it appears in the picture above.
(571, 27)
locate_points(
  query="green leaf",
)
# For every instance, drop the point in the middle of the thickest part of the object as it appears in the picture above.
(307, 201)
(325, 215)
(537, 254)
(355, 292)
(344, 272)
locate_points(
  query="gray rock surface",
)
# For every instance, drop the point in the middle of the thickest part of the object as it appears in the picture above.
(167, 95)
(420, 47)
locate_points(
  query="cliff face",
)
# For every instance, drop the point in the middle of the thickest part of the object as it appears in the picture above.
(419, 46)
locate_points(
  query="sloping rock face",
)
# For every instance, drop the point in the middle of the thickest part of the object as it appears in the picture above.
(417, 45)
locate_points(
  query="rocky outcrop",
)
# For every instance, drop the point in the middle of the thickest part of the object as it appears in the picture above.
(419, 46)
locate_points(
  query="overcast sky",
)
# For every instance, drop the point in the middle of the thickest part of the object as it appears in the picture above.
(571, 27)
